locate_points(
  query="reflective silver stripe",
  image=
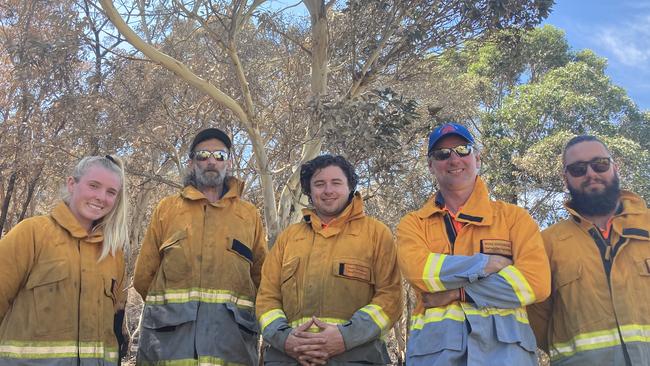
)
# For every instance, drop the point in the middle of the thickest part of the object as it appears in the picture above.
(431, 272)
(202, 295)
(519, 284)
(271, 315)
(635, 333)
(585, 342)
(432, 315)
(378, 315)
(64, 349)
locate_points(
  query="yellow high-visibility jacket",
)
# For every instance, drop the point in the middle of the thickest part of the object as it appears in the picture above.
(198, 271)
(599, 309)
(57, 303)
(344, 274)
(491, 326)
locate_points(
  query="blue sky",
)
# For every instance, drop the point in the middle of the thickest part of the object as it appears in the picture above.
(616, 30)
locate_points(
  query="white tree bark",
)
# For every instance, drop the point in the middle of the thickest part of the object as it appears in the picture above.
(243, 114)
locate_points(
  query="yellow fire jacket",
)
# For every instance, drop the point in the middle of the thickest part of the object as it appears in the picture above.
(344, 274)
(198, 271)
(599, 309)
(57, 303)
(491, 327)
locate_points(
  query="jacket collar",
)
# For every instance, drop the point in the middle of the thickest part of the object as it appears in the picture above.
(477, 210)
(235, 188)
(64, 217)
(631, 219)
(352, 212)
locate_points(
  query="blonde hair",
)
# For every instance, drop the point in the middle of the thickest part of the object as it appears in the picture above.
(115, 223)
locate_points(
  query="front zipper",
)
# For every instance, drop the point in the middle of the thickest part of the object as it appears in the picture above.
(609, 255)
(626, 353)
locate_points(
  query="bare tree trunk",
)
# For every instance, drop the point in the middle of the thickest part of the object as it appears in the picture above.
(5, 203)
(290, 198)
(224, 100)
(31, 187)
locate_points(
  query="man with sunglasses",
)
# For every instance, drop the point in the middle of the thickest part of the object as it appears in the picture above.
(200, 265)
(599, 309)
(474, 264)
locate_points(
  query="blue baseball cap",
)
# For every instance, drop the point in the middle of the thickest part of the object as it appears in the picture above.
(449, 129)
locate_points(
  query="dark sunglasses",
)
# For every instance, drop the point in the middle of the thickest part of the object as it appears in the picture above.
(579, 168)
(444, 154)
(203, 155)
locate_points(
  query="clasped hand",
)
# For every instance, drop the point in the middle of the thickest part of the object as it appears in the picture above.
(309, 348)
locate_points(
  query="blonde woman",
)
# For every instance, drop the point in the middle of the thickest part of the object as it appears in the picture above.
(62, 275)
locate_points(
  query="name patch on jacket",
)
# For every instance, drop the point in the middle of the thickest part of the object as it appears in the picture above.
(355, 271)
(242, 250)
(497, 247)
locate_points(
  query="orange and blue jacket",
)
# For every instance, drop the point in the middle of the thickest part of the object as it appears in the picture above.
(345, 273)
(198, 271)
(434, 256)
(57, 302)
(599, 309)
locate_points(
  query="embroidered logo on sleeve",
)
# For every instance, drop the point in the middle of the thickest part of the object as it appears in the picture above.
(355, 271)
(497, 246)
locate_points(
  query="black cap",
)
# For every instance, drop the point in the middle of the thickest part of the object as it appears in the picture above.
(210, 133)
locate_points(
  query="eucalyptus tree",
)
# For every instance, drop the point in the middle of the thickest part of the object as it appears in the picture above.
(370, 46)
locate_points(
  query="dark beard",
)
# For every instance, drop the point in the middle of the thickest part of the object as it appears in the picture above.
(596, 204)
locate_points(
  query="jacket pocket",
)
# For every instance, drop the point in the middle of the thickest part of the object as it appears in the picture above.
(569, 285)
(353, 280)
(51, 296)
(289, 287)
(108, 303)
(641, 284)
(242, 250)
(567, 275)
(167, 317)
(239, 259)
(175, 265)
(435, 337)
(510, 331)
(244, 319)
(643, 267)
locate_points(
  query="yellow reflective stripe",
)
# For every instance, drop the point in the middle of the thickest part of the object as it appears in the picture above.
(63, 349)
(432, 315)
(635, 333)
(378, 315)
(214, 361)
(585, 342)
(199, 294)
(271, 315)
(519, 314)
(203, 361)
(519, 284)
(314, 328)
(431, 273)
(458, 312)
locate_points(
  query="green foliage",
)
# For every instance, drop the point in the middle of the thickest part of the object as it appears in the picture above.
(534, 94)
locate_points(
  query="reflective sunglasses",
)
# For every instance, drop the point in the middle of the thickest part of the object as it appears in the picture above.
(579, 168)
(444, 154)
(203, 155)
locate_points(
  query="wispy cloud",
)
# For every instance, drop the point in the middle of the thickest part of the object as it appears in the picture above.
(628, 42)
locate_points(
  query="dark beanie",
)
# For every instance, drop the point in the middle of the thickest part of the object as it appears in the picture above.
(211, 133)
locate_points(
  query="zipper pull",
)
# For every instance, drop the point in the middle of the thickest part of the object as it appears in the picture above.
(608, 253)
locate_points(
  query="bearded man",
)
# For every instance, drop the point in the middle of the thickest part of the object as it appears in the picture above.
(599, 309)
(200, 265)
